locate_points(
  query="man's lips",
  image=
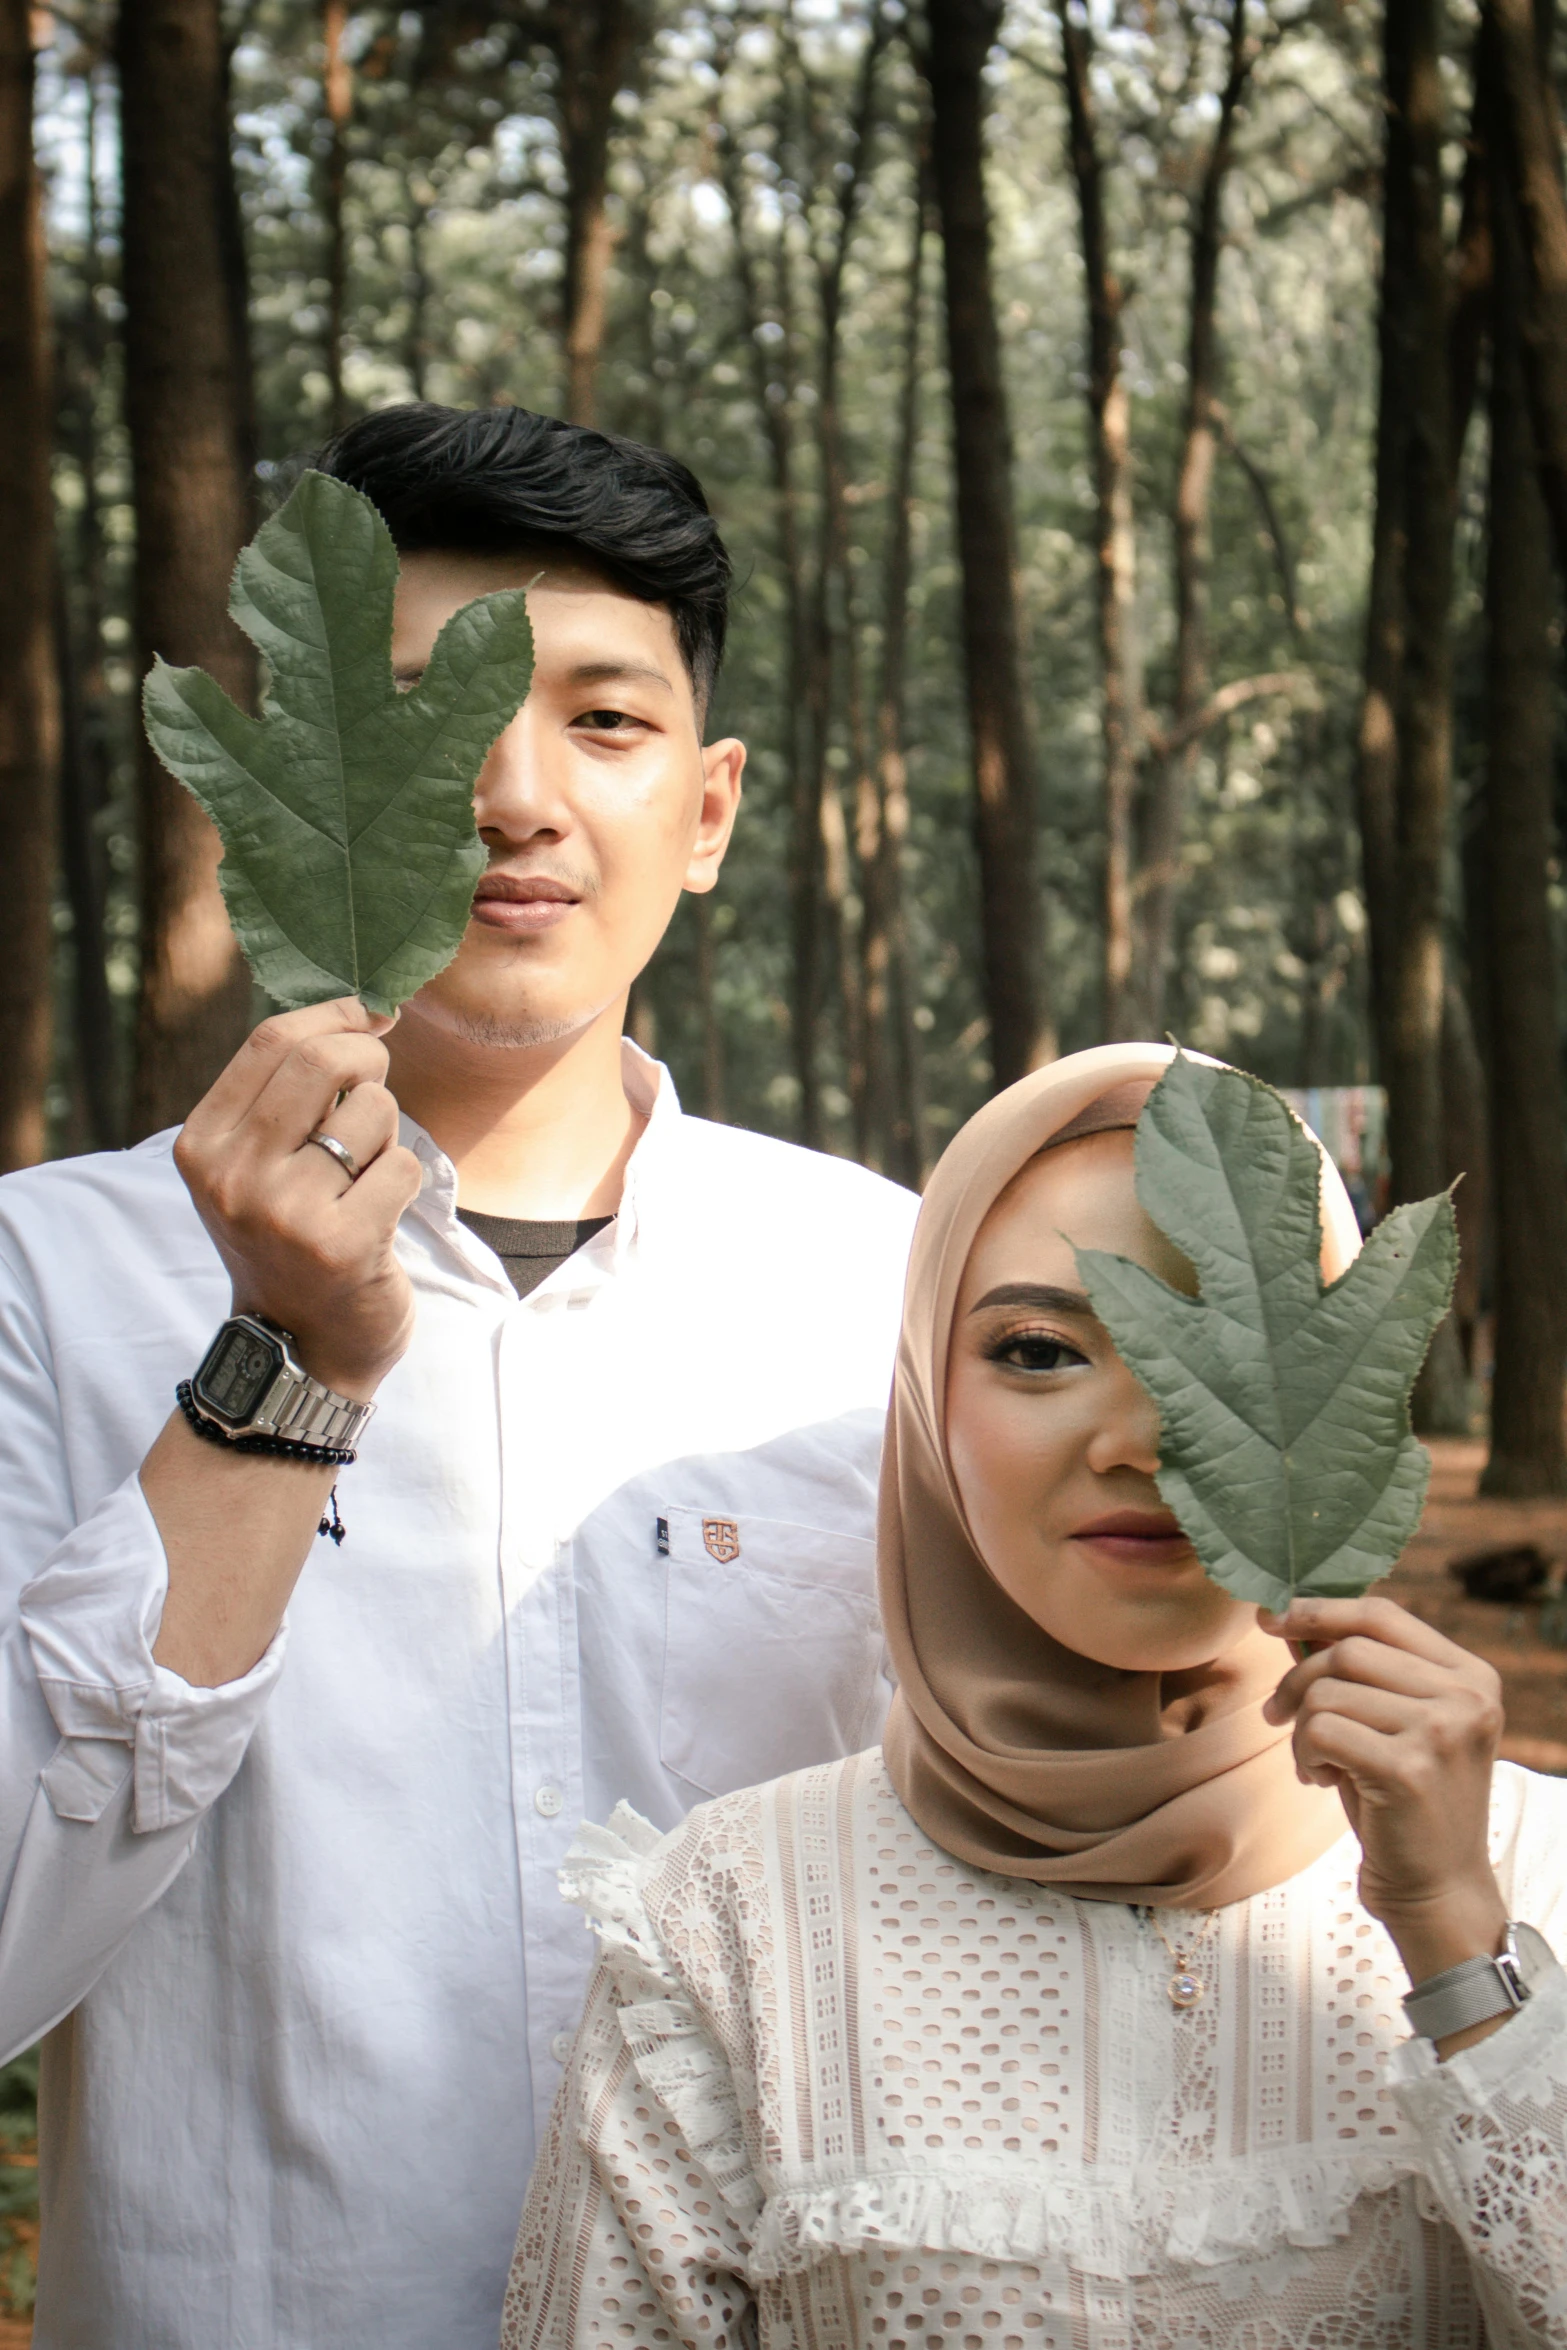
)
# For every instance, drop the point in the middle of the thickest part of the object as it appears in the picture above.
(1136, 1537)
(522, 903)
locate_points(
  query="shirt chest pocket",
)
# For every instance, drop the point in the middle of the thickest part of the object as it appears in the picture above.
(772, 1648)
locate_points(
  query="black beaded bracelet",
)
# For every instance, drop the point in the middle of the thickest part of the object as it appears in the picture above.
(334, 1456)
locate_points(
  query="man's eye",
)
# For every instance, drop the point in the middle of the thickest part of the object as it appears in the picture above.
(606, 721)
(1035, 1350)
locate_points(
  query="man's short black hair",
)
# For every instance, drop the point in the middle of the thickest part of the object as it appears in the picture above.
(492, 480)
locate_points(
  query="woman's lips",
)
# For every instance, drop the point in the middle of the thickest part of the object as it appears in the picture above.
(522, 907)
(1137, 1538)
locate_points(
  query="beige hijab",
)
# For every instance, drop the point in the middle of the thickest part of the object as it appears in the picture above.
(1016, 1754)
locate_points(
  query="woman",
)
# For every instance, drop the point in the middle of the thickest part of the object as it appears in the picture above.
(1071, 2019)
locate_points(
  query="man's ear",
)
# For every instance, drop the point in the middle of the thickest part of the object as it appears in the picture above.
(723, 764)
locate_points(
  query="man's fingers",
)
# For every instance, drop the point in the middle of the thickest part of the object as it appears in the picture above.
(302, 1092)
(364, 1122)
(266, 1048)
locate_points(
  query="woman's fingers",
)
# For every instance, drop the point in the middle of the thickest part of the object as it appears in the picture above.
(1322, 1620)
(1360, 1659)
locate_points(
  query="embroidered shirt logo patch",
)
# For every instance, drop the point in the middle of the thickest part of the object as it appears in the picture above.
(722, 1537)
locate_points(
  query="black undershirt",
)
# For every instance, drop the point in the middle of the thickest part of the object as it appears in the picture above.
(530, 1251)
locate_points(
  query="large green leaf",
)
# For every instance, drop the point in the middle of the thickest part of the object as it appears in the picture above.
(1285, 1446)
(346, 810)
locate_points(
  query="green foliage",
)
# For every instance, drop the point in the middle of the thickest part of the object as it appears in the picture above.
(1285, 1445)
(18, 2182)
(346, 810)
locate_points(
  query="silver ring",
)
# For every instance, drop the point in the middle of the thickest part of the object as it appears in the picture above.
(336, 1150)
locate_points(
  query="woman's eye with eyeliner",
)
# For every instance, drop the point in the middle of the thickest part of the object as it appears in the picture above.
(1035, 1350)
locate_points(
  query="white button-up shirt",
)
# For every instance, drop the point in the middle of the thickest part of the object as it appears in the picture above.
(296, 1942)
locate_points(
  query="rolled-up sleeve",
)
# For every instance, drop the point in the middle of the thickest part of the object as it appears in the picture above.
(107, 1761)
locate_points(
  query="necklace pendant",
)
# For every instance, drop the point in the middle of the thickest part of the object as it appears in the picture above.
(1185, 1988)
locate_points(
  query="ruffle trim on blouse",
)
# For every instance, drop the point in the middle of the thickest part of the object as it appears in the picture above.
(676, 2057)
(1104, 2222)
(1117, 2224)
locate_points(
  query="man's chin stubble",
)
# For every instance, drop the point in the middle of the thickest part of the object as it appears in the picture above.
(514, 1036)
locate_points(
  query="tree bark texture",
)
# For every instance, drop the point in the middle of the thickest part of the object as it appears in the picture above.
(961, 34)
(1115, 541)
(1421, 307)
(592, 43)
(830, 635)
(187, 401)
(775, 409)
(29, 704)
(899, 1103)
(337, 92)
(1527, 138)
(1170, 784)
(1528, 1115)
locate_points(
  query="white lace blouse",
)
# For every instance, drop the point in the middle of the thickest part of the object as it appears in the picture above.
(834, 2090)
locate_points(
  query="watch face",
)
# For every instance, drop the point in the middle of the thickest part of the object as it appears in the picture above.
(239, 1368)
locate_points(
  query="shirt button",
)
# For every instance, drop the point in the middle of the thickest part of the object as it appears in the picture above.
(547, 1802)
(560, 2047)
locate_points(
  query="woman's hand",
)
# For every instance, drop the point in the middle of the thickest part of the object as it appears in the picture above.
(1405, 1724)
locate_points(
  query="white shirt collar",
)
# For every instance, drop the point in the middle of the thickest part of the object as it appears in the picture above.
(649, 1089)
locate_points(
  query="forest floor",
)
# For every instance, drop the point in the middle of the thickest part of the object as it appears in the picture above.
(1456, 1520)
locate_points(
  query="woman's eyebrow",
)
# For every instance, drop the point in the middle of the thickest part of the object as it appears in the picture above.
(1037, 1294)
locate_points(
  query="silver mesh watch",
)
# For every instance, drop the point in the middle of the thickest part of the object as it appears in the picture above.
(250, 1385)
(1481, 1987)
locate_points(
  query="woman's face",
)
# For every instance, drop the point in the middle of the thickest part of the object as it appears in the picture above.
(1053, 1442)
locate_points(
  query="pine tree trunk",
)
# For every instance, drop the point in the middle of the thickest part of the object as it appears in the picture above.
(1424, 715)
(775, 411)
(1170, 787)
(337, 91)
(1109, 413)
(592, 43)
(1527, 1110)
(187, 400)
(900, 1109)
(1006, 800)
(1528, 140)
(29, 701)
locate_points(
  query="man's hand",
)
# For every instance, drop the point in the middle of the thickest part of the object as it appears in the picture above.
(1405, 1724)
(303, 1244)
(312, 1250)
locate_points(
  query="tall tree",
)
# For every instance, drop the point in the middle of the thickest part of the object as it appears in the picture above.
(1528, 1113)
(894, 1062)
(337, 93)
(592, 44)
(838, 168)
(1527, 137)
(767, 326)
(1403, 752)
(1120, 661)
(1170, 783)
(960, 36)
(187, 403)
(29, 707)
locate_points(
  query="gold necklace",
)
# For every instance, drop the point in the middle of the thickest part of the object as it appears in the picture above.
(1185, 1986)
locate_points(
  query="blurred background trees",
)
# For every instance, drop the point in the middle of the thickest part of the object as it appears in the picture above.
(1141, 428)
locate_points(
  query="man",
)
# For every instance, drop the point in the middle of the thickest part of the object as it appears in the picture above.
(282, 1894)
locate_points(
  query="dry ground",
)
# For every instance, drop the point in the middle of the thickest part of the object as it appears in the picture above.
(1455, 1521)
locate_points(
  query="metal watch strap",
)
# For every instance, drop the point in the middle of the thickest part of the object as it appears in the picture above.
(301, 1410)
(1478, 1989)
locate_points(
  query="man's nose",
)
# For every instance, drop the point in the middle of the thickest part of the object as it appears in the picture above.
(520, 793)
